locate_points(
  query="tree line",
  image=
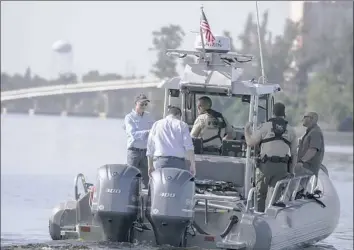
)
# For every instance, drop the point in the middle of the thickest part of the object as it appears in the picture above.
(315, 75)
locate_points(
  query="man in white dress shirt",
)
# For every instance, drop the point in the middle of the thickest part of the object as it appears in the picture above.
(169, 143)
(137, 126)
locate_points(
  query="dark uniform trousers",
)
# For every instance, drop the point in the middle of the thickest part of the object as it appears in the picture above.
(267, 176)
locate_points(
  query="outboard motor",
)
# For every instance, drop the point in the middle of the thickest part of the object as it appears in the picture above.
(172, 202)
(115, 203)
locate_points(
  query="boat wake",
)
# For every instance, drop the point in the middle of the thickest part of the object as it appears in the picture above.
(74, 244)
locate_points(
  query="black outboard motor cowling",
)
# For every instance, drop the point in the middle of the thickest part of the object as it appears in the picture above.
(115, 203)
(171, 204)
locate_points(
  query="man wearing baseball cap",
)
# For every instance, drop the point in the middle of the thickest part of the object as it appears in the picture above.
(137, 126)
(276, 139)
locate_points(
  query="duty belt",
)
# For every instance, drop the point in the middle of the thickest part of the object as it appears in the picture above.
(275, 159)
(137, 149)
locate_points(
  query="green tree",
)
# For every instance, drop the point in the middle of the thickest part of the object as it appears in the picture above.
(168, 37)
(91, 76)
(28, 74)
(228, 34)
(326, 97)
(331, 89)
(95, 76)
(6, 83)
(277, 58)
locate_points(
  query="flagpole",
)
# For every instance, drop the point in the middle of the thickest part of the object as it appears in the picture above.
(201, 32)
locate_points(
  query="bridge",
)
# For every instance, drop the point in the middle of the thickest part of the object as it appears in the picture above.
(77, 88)
(59, 99)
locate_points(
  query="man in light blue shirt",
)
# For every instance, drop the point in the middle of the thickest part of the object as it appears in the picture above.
(169, 143)
(137, 126)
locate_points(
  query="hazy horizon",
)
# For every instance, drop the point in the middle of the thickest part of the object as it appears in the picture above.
(100, 36)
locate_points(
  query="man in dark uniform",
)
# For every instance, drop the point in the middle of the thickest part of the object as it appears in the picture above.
(276, 139)
(211, 126)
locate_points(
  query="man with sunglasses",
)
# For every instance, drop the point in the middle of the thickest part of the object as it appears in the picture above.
(137, 126)
(311, 146)
(169, 143)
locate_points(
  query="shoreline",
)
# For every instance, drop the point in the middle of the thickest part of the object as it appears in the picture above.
(102, 115)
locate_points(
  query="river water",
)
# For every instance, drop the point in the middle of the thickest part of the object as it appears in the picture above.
(40, 156)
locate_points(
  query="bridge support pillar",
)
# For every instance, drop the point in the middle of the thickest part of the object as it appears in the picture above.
(67, 105)
(125, 104)
(105, 103)
(32, 110)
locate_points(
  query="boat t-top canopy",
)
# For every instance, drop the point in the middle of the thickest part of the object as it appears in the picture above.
(234, 88)
(217, 70)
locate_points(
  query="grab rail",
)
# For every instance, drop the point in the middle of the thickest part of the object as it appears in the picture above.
(216, 197)
(83, 181)
(288, 183)
(249, 198)
(207, 197)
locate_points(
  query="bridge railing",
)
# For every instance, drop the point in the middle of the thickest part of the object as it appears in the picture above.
(78, 88)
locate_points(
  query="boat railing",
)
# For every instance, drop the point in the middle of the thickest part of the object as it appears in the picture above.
(206, 201)
(250, 199)
(313, 181)
(290, 186)
(216, 198)
(207, 197)
(78, 177)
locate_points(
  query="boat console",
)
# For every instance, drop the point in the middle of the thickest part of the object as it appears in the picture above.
(235, 148)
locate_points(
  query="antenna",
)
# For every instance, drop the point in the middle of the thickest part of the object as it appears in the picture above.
(260, 46)
(253, 115)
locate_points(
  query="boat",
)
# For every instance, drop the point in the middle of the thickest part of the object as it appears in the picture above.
(216, 208)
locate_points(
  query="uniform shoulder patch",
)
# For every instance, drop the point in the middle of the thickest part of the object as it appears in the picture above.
(201, 120)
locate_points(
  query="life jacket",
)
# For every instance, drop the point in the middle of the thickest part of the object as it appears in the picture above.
(217, 121)
(278, 128)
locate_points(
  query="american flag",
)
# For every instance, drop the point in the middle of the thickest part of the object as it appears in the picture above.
(204, 25)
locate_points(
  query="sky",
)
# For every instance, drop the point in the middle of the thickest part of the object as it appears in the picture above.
(112, 37)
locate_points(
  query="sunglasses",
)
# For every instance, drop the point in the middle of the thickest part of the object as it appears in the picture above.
(306, 116)
(143, 104)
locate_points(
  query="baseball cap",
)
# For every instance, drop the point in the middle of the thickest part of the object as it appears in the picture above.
(141, 98)
(279, 109)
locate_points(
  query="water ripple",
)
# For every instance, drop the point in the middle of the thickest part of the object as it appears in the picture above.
(38, 173)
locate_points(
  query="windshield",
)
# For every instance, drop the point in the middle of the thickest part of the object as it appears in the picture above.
(234, 110)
